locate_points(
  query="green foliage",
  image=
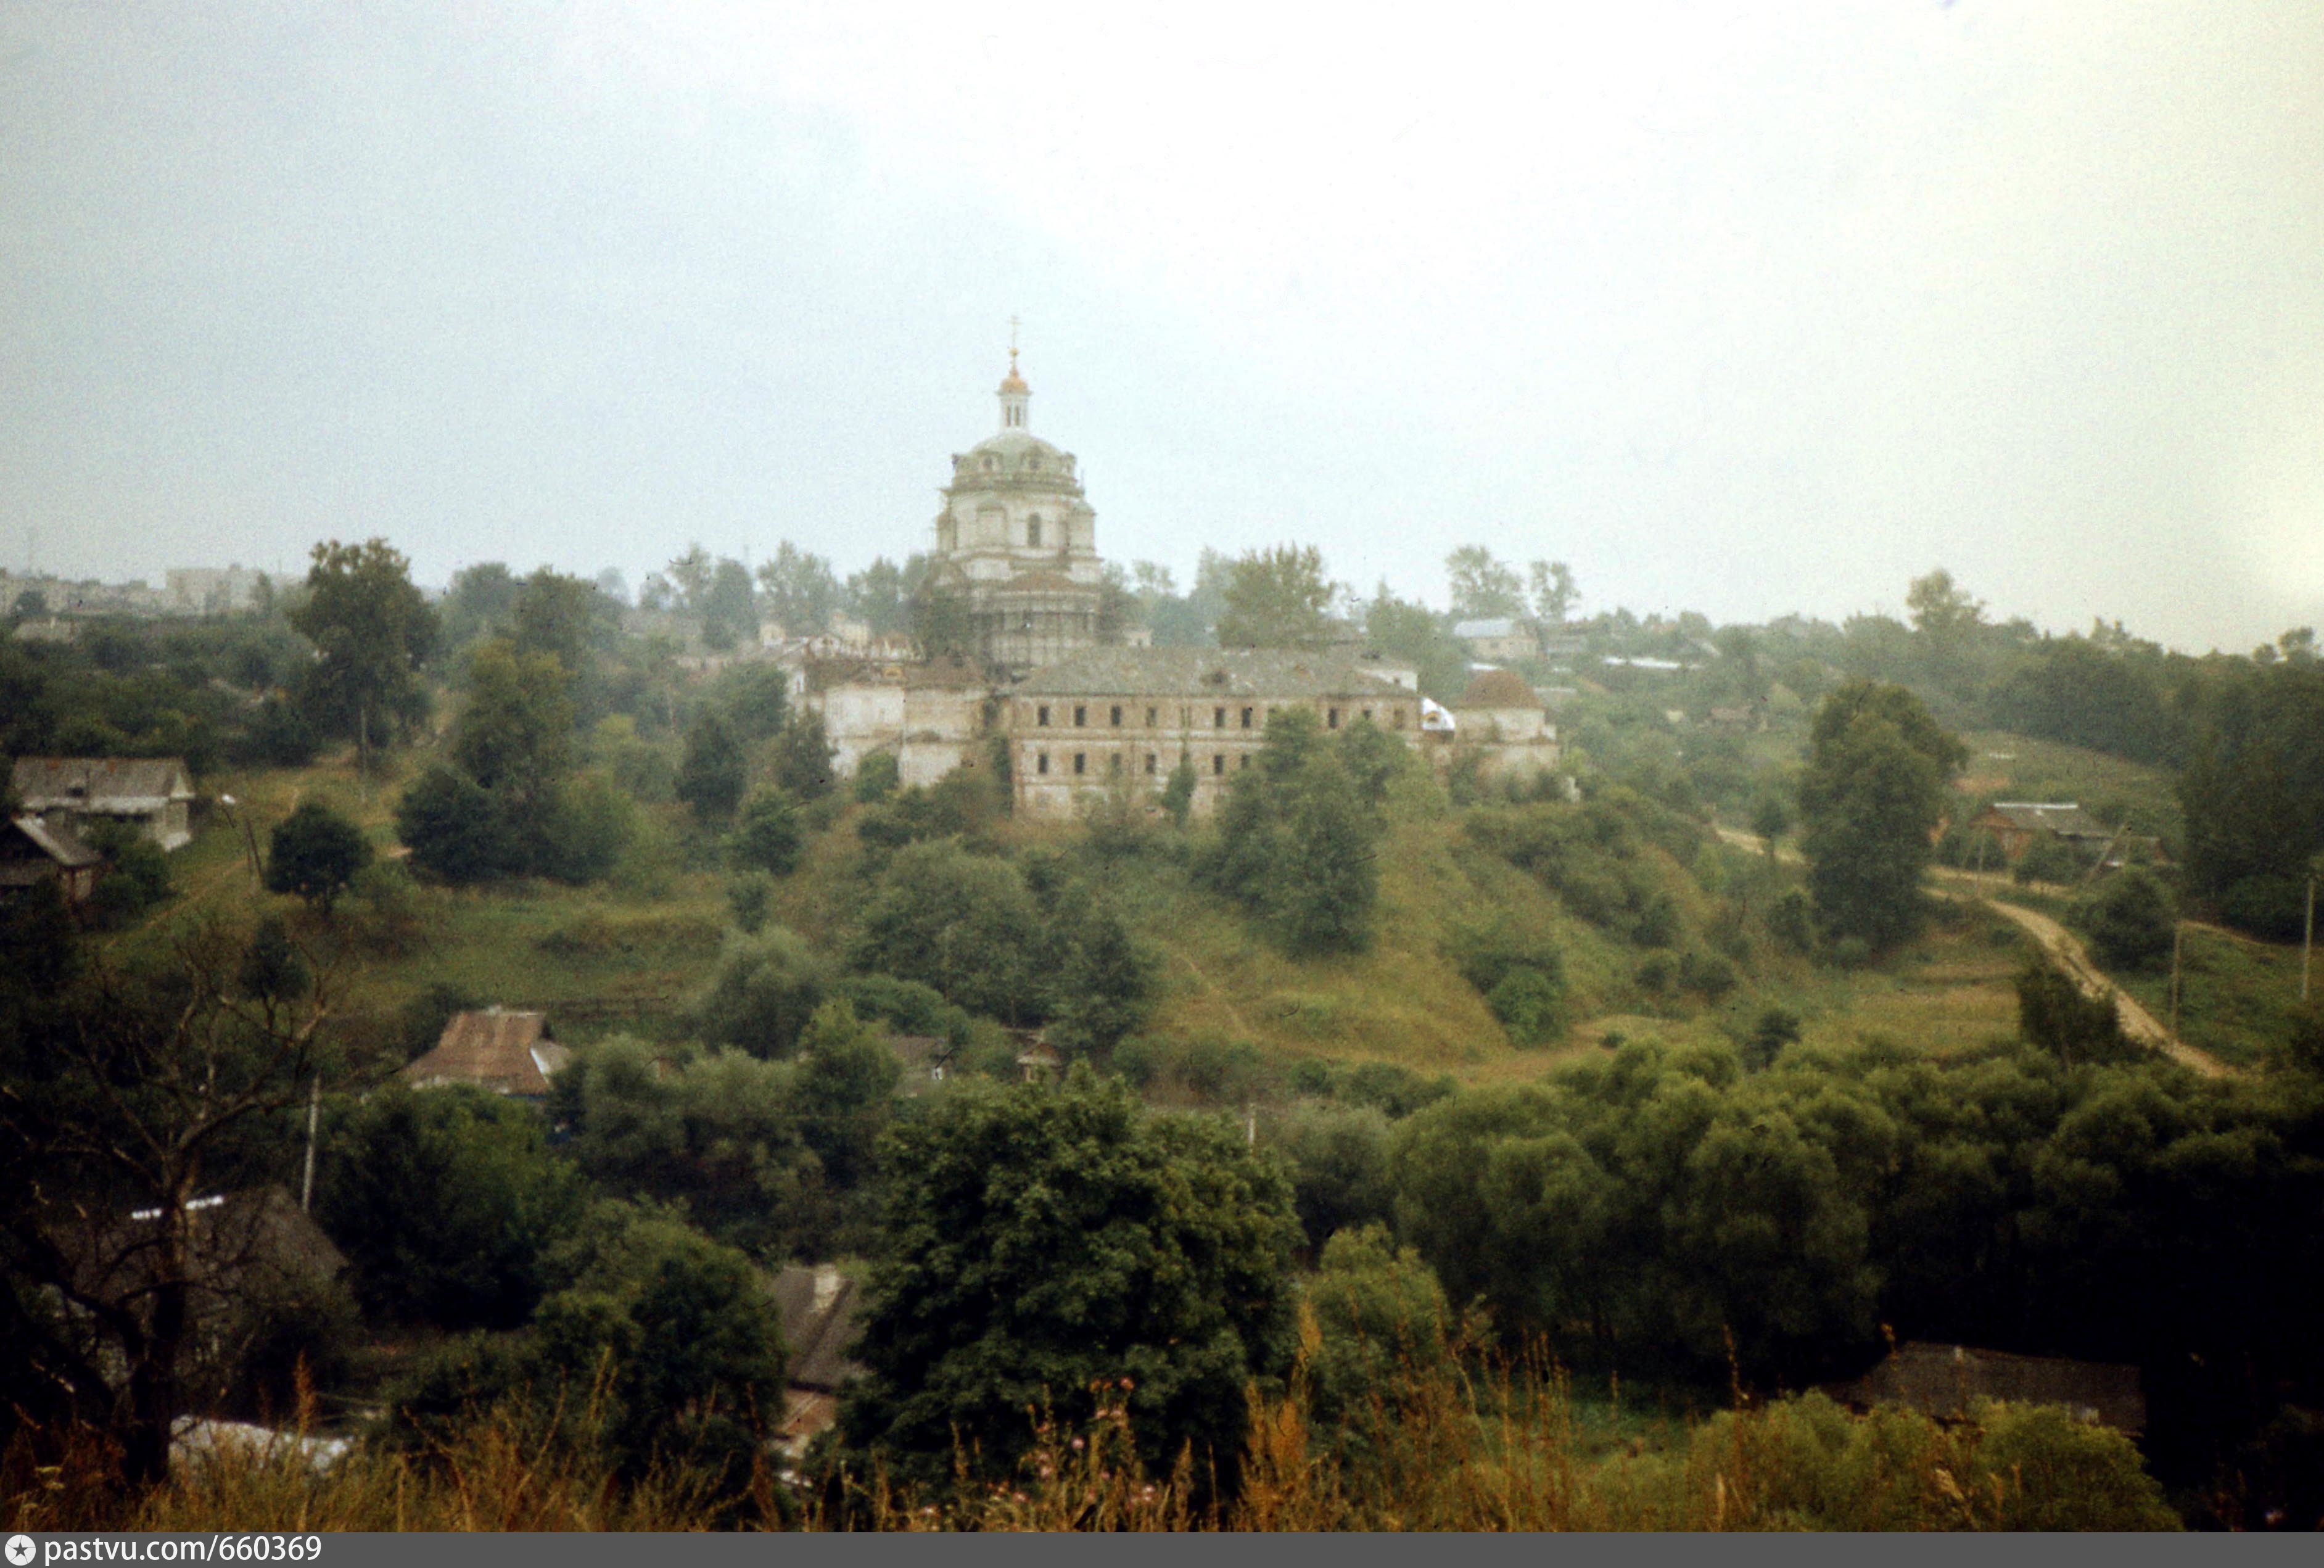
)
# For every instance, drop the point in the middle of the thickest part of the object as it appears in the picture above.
(372, 632)
(714, 770)
(1277, 598)
(1870, 803)
(2130, 917)
(875, 778)
(446, 1202)
(1520, 972)
(2053, 1014)
(751, 896)
(2252, 791)
(846, 1091)
(315, 852)
(135, 878)
(719, 1134)
(767, 835)
(1336, 1157)
(273, 968)
(1483, 587)
(456, 829)
(1383, 1333)
(1178, 791)
(2051, 859)
(801, 762)
(1061, 1251)
(1791, 920)
(766, 989)
(966, 925)
(1772, 1030)
(1296, 846)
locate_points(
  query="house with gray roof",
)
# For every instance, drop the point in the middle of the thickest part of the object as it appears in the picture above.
(156, 793)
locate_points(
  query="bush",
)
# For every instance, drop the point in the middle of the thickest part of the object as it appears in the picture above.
(1336, 1157)
(2274, 908)
(135, 878)
(2051, 859)
(1791, 922)
(767, 835)
(766, 989)
(876, 778)
(1383, 1333)
(2054, 1013)
(751, 896)
(2131, 919)
(1530, 1004)
(456, 828)
(315, 852)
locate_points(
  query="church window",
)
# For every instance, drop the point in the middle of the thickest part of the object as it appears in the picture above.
(1151, 714)
(1331, 718)
(1116, 717)
(1149, 762)
(1041, 715)
(1218, 762)
(1399, 718)
(1246, 718)
(1033, 533)
(1041, 762)
(988, 465)
(1081, 716)
(1218, 719)
(1081, 763)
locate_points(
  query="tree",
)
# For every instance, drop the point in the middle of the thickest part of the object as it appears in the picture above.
(767, 834)
(447, 1203)
(875, 778)
(373, 631)
(1296, 846)
(966, 925)
(876, 596)
(2131, 918)
(714, 772)
(1417, 634)
(456, 828)
(1109, 979)
(126, 1097)
(801, 591)
(1482, 586)
(515, 735)
(729, 613)
(1383, 1333)
(1553, 590)
(766, 989)
(845, 1092)
(1870, 798)
(315, 852)
(801, 762)
(686, 1339)
(1942, 612)
(478, 604)
(690, 576)
(1178, 791)
(1056, 1251)
(1275, 598)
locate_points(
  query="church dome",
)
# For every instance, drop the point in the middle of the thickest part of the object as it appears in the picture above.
(1499, 688)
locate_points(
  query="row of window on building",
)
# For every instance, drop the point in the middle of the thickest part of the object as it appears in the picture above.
(1249, 717)
(1153, 763)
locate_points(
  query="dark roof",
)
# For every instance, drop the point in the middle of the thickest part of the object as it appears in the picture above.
(239, 1241)
(1944, 1381)
(101, 783)
(509, 1053)
(823, 1311)
(1210, 673)
(1498, 688)
(2064, 818)
(57, 842)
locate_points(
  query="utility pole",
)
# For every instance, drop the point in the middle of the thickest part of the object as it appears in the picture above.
(314, 1118)
(2178, 935)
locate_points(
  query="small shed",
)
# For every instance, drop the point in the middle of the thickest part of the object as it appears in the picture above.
(157, 793)
(33, 852)
(1942, 1382)
(925, 1059)
(507, 1052)
(1040, 1060)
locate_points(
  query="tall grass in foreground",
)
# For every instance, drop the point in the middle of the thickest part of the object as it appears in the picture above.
(1457, 1450)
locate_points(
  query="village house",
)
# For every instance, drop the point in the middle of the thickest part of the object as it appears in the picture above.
(822, 1313)
(1505, 724)
(928, 715)
(33, 852)
(1944, 1381)
(2016, 825)
(1120, 718)
(156, 793)
(1499, 638)
(507, 1052)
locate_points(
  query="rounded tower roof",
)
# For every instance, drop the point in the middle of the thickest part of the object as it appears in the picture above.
(1499, 688)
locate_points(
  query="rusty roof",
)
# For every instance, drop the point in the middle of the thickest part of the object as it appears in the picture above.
(509, 1053)
(1499, 688)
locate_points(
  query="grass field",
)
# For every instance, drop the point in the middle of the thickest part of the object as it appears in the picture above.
(2238, 999)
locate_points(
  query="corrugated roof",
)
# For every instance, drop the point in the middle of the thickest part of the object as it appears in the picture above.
(1494, 626)
(101, 783)
(1283, 674)
(509, 1053)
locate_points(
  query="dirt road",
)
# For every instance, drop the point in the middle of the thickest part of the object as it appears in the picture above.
(2060, 945)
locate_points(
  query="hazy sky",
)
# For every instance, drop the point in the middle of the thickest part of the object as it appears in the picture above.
(1744, 309)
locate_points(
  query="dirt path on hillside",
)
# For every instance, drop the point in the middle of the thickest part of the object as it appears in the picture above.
(2061, 945)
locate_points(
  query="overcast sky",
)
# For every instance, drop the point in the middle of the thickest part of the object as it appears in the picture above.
(1743, 309)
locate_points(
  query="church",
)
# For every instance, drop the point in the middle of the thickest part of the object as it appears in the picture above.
(1088, 711)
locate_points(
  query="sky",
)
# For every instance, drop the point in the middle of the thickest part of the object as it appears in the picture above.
(1744, 309)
